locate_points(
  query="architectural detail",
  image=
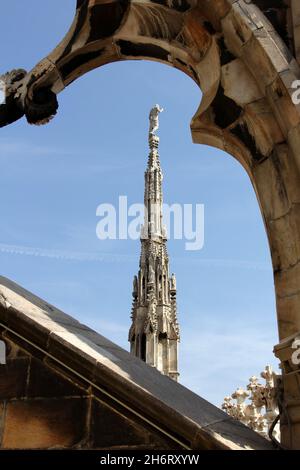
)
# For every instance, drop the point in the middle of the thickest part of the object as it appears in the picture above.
(10, 111)
(262, 410)
(154, 333)
(153, 118)
(245, 57)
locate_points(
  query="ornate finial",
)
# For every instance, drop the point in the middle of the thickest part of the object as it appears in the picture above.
(153, 118)
(261, 411)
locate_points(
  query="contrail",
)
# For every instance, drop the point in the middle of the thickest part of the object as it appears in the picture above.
(120, 257)
(64, 255)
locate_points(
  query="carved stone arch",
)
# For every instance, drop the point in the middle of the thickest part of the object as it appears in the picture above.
(246, 73)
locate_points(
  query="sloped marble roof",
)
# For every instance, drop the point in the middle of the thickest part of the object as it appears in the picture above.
(78, 350)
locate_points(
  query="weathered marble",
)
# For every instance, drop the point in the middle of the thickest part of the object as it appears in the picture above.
(261, 411)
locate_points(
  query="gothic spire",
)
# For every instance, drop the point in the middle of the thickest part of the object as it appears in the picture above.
(154, 333)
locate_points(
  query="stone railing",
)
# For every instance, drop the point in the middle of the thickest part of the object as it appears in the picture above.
(257, 406)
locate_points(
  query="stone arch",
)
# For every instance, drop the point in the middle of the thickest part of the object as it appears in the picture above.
(246, 73)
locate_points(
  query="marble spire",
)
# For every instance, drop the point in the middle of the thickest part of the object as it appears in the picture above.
(154, 333)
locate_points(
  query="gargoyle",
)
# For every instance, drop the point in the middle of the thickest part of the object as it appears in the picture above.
(11, 110)
(39, 108)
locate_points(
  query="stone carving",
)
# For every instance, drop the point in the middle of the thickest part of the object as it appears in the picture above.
(39, 104)
(10, 109)
(153, 118)
(151, 319)
(261, 410)
(173, 282)
(151, 279)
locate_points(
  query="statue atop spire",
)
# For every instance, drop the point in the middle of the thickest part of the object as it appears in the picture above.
(154, 334)
(153, 118)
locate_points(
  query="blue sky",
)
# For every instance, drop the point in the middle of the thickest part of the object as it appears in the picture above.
(54, 177)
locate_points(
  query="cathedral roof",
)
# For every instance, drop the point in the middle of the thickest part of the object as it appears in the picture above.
(189, 420)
